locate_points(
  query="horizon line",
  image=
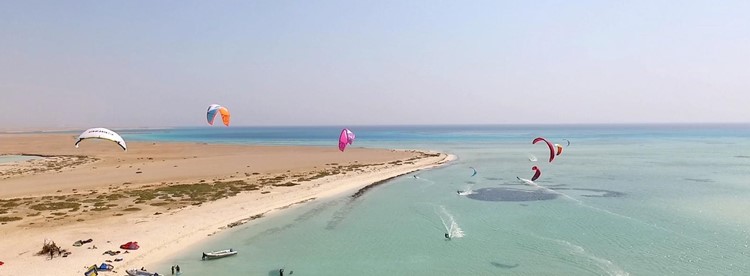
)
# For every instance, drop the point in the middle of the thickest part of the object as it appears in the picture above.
(72, 129)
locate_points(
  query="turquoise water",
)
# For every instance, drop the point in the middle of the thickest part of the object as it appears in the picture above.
(637, 200)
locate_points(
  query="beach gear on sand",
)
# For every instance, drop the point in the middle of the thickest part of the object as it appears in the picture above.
(130, 246)
(111, 253)
(80, 242)
(105, 267)
(91, 271)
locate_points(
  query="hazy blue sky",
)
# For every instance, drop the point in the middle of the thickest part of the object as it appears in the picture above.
(161, 63)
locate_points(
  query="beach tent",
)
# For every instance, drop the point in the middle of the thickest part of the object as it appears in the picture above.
(91, 271)
(130, 246)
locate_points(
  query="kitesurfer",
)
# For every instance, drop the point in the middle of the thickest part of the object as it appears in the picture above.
(459, 192)
(447, 236)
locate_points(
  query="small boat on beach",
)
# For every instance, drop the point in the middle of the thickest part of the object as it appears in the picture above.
(218, 254)
(140, 272)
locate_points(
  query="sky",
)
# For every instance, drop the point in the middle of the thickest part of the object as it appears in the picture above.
(118, 64)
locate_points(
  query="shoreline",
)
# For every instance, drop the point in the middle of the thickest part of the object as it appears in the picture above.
(346, 188)
(274, 184)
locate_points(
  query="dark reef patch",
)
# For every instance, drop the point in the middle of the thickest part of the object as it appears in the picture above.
(511, 194)
(701, 180)
(520, 195)
(604, 193)
(504, 266)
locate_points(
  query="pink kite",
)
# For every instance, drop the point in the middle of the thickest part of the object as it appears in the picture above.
(537, 174)
(551, 147)
(346, 138)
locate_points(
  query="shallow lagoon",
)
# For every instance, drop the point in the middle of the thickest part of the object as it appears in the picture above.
(634, 200)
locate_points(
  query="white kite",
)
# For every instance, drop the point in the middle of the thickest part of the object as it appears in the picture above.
(102, 133)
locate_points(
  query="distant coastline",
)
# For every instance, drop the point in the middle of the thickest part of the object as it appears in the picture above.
(38, 130)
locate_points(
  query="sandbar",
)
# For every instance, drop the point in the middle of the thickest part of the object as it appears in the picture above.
(165, 196)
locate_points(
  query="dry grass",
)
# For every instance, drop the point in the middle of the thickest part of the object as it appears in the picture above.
(164, 196)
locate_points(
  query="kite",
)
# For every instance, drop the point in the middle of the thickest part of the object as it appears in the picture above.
(551, 147)
(102, 133)
(215, 108)
(346, 138)
(537, 173)
(559, 149)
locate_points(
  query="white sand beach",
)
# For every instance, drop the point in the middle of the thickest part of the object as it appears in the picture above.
(107, 187)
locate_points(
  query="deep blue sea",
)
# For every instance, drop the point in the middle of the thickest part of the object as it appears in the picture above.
(619, 200)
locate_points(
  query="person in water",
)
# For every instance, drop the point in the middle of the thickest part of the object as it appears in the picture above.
(447, 236)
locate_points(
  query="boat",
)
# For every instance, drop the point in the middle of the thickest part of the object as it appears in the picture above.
(218, 254)
(139, 272)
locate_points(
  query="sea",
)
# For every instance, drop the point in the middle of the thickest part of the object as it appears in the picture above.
(656, 199)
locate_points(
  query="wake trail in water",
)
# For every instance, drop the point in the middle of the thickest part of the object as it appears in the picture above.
(606, 265)
(449, 223)
(467, 190)
(425, 180)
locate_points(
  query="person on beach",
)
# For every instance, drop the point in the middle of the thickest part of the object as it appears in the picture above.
(177, 268)
(281, 272)
(172, 270)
